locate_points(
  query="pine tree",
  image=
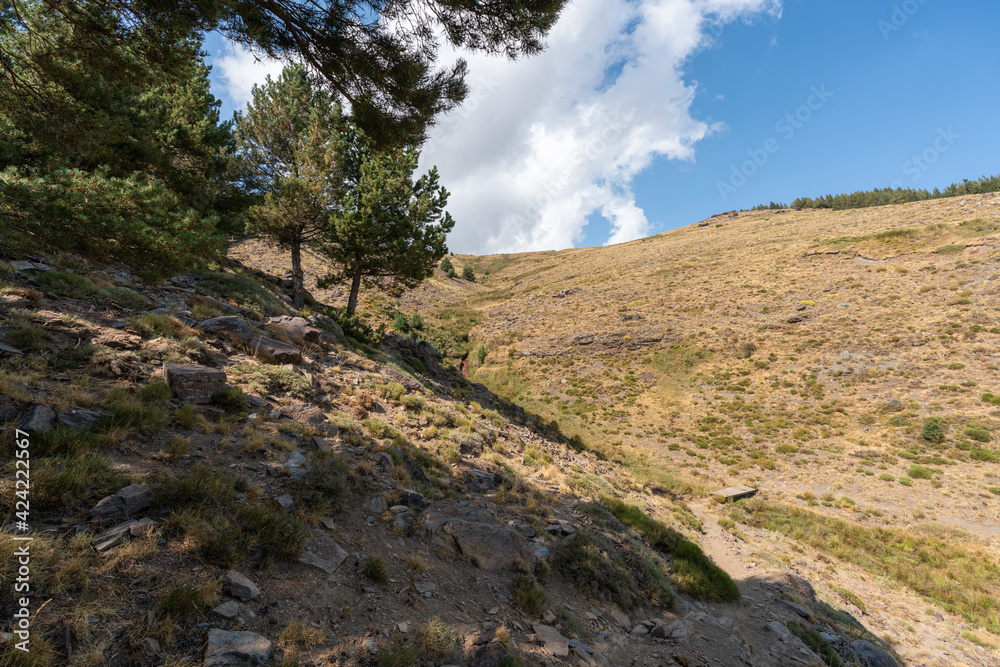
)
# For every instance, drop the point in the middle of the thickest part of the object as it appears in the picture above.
(109, 166)
(380, 56)
(291, 151)
(390, 230)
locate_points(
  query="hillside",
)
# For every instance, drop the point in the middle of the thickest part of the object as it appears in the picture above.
(540, 493)
(800, 352)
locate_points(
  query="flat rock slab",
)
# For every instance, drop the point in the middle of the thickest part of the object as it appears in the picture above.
(737, 492)
(192, 382)
(321, 552)
(230, 649)
(551, 640)
(78, 418)
(478, 535)
(131, 499)
(112, 537)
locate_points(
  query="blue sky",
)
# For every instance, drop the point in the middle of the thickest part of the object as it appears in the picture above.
(893, 90)
(722, 104)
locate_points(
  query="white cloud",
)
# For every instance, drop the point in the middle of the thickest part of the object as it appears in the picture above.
(238, 71)
(543, 143)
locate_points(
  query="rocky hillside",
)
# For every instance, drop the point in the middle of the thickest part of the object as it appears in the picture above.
(218, 479)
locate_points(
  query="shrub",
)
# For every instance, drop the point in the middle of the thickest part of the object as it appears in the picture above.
(326, 487)
(447, 266)
(397, 654)
(932, 431)
(392, 391)
(886, 477)
(266, 379)
(745, 350)
(437, 640)
(592, 564)
(978, 434)
(991, 398)
(469, 274)
(906, 481)
(984, 455)
(920, 472)
(481, 353)
(693, 572)
(188, 599)
(400, 323)
(529, 595)
(995, 490)
(413, 403)
(815, 641)
(378, 428)
(416, 322)
(154, 392)
(374, 568)
(231, 399)
(851, 597)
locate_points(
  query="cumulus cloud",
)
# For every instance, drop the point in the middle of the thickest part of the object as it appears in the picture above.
(237, 71)
(542, 144)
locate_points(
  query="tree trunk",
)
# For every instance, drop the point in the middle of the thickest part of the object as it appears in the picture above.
(297, 275)
(352, 301)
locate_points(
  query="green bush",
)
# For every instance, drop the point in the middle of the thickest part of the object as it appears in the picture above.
(231, 399)
(416, 322)
(264, 379)
(906, 481)
(932, 431)
(594, 567)
(397, 654)
(326, 487)
(469, 274)
(374, 568)
(693, 572)
(529, 595)
(984, 455)
(920, 472)
(400, 323)
(447, 266)
(978, 434)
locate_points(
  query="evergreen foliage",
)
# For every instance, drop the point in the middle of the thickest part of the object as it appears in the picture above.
(886, 196)
(131, 168)
(389, 230)
(291, 150)
(377, 54)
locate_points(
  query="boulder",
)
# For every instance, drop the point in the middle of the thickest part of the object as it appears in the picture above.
(478, 535)
(239, 586)
(866, 654)
(304, 414)
(227, 649)
(37, 419)
(77, 418)
(408, 383)
(328, 325)
(274, 351)
(299, 330)
(192, 382)
(552, 642)
(129, 500)
(234, 329)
